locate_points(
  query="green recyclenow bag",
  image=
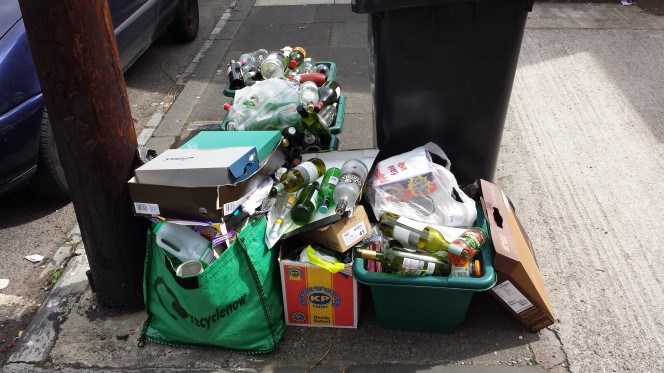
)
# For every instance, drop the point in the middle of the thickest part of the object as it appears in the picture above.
(235, 304)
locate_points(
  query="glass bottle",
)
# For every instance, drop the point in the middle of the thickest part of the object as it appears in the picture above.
(353, 174)
(282, 211)
(307, 66)
(405, 263)
(273, 66)
(329, 92)
(327, 115)
(308, 95)
(292, 135)
(412, 233)
(470, 269)
(325, 193)
(300, 176)
(305, 207)
(296, 57)
(323, 69)
(235, 79)
(311, 142)
(311, 123)
(469, 243)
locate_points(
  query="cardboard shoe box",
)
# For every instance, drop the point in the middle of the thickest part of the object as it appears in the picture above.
(520, 287)
(199, 167)
(313, 296)
(342, 235)
(210, 202)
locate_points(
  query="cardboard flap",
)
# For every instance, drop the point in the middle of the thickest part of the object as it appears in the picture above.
(495, 211)
(244, 164)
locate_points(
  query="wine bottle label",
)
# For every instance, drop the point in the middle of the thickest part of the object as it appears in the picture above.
(333, 180)
(309, 171)
(412, 266)
(430, 268)
(350, 177)
(405, 236)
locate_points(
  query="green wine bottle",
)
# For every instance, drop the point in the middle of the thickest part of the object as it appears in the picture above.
(306, 204)
(299, 176)
(326, 190)
(312, 124)
(405, 263)
(416, 234)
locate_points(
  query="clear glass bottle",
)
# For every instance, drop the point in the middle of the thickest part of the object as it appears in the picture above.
(252, 58)
(327, 115)
(323, 69)
(273, 66)
(300, 176)
(353, 175)
(308, 95)
(469, 243)
(305, 207)
(405, 263)
(311, 142)
(283, 207)
(308, 66)
(326, 191)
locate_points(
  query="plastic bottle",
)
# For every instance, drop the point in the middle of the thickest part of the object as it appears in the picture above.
(353, 174)
(305, 207)
(308, 95)
(252, 58)
(405, 263)
(273, 66)
(326, 191)
(180, 241)
(300, 176)
(282, 211)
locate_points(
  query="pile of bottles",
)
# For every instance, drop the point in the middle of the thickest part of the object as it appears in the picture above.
(299, 194)
(413, 248)
(315, 104)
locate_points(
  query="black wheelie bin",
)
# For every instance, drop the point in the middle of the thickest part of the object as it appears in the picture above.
(442, 71)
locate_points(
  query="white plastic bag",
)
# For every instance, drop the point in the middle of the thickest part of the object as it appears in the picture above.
(412, 185)
(268, 104)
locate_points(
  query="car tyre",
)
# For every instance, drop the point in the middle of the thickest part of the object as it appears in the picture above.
(49, 180)
(184, 27)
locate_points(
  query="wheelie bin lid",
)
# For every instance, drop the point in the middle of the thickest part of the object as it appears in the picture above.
(375, 6)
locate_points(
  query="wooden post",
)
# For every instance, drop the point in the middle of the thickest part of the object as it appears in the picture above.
(77, 61)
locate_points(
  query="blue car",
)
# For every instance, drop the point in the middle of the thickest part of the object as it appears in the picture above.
(27, 151)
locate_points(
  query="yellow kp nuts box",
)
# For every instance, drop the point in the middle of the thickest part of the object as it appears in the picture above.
(313, 296)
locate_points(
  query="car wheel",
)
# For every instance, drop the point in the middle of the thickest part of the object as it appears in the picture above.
(49, 181)
(184, 27)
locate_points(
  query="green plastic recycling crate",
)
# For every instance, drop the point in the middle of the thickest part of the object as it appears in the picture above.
(426, 303)
(330, 76)
(336, 128)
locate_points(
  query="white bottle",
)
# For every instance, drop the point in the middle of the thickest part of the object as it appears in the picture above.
(180, 241)
(353, 174)
(308, 95)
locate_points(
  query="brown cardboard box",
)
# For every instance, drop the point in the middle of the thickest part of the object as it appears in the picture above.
(341, 235)
(520, 287)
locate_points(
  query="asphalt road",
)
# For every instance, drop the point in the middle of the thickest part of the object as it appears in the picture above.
(30, 225)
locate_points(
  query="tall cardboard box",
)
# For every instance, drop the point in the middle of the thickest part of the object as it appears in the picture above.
(520, 287)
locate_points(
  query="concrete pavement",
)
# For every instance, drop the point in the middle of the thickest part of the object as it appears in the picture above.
(581, 159)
